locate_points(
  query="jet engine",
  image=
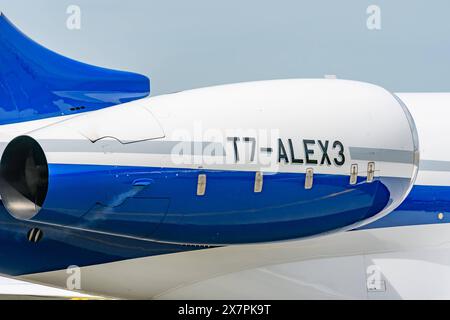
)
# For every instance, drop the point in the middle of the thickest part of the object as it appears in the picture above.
(245, 163)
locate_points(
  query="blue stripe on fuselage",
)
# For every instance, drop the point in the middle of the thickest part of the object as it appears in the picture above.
(422, 206)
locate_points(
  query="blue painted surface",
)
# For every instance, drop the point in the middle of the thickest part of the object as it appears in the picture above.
(422, 206)
(108, 199)
(116, 199)
(61, 247)
(36, 83)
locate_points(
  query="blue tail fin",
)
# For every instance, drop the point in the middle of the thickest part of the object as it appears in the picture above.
(36, 83)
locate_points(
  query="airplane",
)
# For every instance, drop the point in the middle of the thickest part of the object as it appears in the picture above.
(277, 189)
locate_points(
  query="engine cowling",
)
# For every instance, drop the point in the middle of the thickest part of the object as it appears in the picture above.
(341, 154)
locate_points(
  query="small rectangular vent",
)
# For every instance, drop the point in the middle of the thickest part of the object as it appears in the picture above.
(258, 182)
(309, 179)
(370, 172)
(354, 174)
(201, 185)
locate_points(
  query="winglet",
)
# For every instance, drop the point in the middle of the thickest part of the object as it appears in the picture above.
(37, 83)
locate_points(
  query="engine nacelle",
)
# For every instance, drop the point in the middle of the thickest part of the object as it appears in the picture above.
(245, 163)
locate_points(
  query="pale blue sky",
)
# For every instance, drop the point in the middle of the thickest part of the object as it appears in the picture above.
(184, 44)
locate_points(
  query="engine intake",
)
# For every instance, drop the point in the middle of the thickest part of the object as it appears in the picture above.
(24, 172)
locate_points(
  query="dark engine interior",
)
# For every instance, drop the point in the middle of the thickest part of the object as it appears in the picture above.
(24, 177)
